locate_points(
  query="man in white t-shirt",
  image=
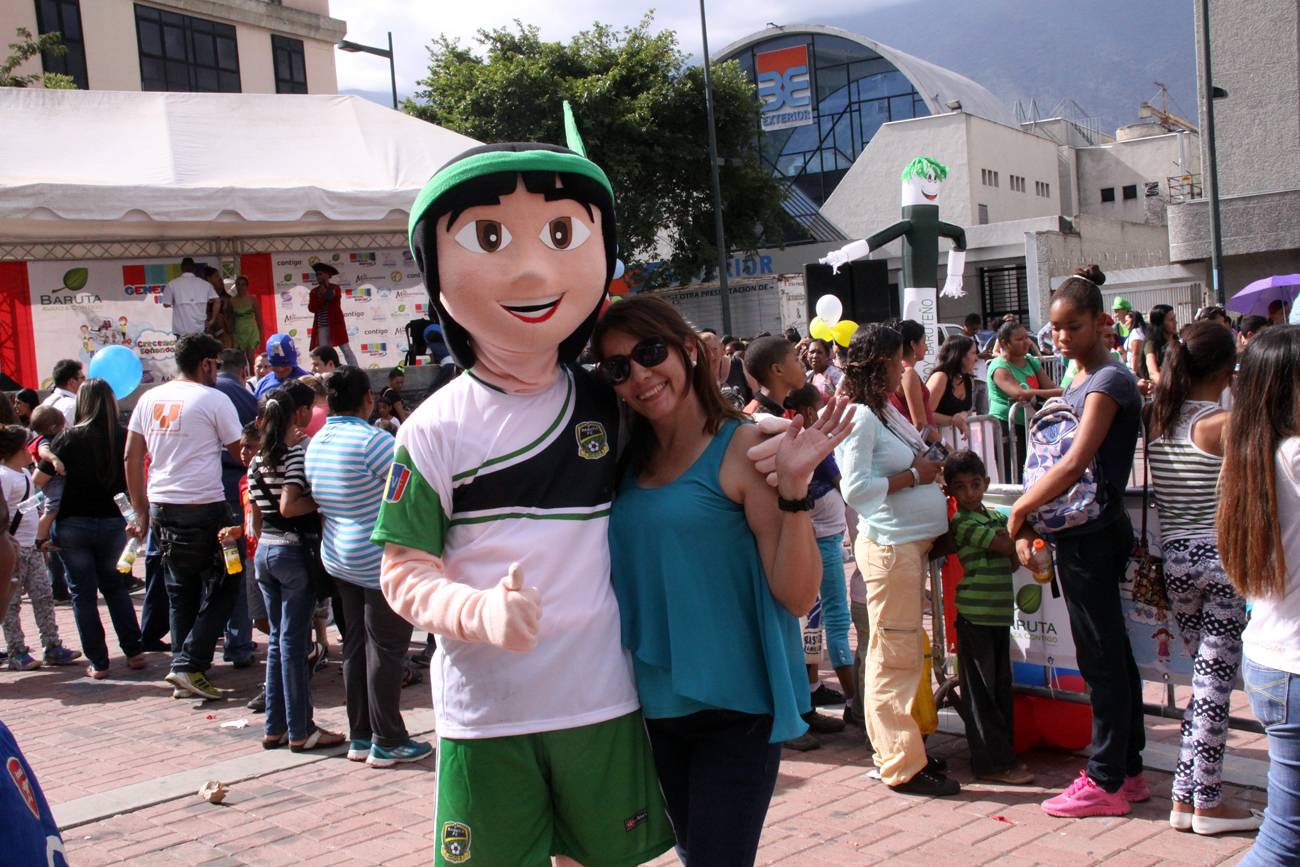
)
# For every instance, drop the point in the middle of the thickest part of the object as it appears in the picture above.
(68, 377)
(182, 426)
(190, 299)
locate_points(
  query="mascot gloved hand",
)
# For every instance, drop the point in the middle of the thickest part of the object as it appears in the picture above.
(509, 471)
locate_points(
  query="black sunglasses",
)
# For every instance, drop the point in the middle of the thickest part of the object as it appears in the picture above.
(650, 352)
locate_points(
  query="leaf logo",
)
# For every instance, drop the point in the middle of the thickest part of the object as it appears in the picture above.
(76, 279)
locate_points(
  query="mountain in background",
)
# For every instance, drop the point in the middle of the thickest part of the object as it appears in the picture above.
(1103, 54)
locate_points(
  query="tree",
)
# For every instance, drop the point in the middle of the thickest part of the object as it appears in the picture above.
(641, 112)
(27, 48)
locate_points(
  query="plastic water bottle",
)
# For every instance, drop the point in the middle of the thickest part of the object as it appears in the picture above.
(233, 562)
(133, 545)
(29, 505)
(129, 554)
(1042, 557)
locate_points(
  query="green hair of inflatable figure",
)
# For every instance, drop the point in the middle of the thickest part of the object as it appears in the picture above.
(924, 167)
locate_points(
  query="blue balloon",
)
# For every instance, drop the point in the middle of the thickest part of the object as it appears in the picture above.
(119, 367)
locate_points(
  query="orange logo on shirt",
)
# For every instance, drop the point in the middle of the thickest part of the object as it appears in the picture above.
(166, 413)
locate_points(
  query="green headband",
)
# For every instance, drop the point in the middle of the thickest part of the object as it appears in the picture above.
(489, 162)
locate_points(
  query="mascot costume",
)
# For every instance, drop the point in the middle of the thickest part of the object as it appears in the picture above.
(495, 518)
(920, 230)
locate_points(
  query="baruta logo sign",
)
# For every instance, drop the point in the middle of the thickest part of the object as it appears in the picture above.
(784, 88)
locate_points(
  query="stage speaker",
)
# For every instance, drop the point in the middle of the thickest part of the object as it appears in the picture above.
(862, 286)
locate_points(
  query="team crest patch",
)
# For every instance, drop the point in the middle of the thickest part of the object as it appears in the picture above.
(455, 842)
(399, 475)
(23, 785)
(592, 442)
(642, 816)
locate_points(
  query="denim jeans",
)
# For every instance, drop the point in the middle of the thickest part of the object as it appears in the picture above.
(1090, 565)
(717, 772)
(239, 628)
(200, 592)
(90, 549)
(835, 600)
(1275, 699)
(290, 603)
(155, 620)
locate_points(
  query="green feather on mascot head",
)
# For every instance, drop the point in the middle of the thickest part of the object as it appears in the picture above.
(516, 244)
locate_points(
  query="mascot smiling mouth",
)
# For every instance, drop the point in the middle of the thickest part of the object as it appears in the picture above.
(534, 313)
(929, 196)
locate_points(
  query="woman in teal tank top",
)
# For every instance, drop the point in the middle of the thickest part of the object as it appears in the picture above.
(711, 575)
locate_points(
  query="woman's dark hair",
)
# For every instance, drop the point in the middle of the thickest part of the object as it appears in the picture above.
(346, 389)
(911, 331)
(644, 316)
(1156, 333)
(1266, 410)
(8, 415)
(275, 416)
(1008, 330)
(866, 378)
(488, 190)
(825, 344)
(1205, 350)
(301, 394)
(97, 420)
(13, 439)
(952, 357)
(1081, 292)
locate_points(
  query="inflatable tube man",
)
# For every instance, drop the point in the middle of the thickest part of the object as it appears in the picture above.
(495, 517)
(920, 230)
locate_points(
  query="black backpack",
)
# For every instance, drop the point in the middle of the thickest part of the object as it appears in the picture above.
(416, 346)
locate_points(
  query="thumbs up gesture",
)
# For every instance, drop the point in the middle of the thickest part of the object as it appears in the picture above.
(510, 613)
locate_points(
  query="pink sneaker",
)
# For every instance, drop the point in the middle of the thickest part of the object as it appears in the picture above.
(1135, 789)
(1085, 798)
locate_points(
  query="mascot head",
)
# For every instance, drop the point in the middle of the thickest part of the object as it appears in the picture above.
(921, 180)
(516, 245)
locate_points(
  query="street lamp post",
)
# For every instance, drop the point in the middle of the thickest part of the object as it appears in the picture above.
(723, 255)
(356, 47)
(1212, 176)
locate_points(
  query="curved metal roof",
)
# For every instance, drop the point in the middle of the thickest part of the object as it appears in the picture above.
(937, 85)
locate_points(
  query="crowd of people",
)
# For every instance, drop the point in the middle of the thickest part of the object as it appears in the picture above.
(259, 517)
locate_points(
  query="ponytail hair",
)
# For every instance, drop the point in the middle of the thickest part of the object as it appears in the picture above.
(1206, 350)
(275, 417)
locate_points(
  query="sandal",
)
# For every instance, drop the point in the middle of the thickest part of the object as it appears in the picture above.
(318, 739)
(274, 742)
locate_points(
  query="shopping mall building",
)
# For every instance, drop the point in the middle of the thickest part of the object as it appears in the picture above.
(1038, 197)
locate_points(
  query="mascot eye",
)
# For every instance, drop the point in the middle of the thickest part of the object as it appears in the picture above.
(563, 233)
(483, 236)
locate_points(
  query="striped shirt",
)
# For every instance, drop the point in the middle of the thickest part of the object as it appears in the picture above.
(1184, 479)
(347, 466)
(984, 594)
(266, 480)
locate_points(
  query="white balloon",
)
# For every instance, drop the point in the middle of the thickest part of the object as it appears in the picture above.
(829, 309)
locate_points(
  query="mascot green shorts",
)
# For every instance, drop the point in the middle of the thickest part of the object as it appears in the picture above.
(590, 793)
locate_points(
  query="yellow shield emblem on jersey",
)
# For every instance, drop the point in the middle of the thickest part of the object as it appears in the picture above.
(455, 842)
(592, 442)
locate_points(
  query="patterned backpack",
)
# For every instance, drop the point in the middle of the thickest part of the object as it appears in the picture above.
(1051, 433)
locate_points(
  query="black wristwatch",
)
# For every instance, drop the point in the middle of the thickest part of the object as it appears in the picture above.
(802, 505)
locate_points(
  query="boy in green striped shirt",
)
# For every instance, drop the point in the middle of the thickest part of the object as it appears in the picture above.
(984, 612)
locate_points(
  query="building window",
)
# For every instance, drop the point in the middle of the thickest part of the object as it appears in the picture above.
(185, 54)
(1042, 189)
(1005, 290)
(989, 177)
(1130, 192)
(984, 215)
(1017, 183)
(64, 17)
(1108, 194)
(290, 65)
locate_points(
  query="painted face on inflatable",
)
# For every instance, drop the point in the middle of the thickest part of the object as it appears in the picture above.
(524, 273)
(921, 190)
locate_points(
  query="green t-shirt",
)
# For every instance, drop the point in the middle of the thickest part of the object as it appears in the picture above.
(984, 595)
(999, 401)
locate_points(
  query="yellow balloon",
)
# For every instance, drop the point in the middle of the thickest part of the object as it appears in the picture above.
(843, 331)
(820, 330)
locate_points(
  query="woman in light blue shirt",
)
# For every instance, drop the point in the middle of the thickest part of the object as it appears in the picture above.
(891, 485)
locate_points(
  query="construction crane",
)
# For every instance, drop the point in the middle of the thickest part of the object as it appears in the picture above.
(1171, 122)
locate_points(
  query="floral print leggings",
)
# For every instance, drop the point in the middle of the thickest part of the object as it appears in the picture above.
(1211, 617)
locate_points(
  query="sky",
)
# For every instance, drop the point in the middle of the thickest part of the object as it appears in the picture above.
(1104, 54)
(415, 22)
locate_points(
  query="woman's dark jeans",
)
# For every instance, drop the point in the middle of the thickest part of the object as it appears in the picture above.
(1090, 565)
(90, 550)
(717, 772)
(1275, 699)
